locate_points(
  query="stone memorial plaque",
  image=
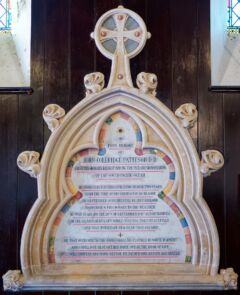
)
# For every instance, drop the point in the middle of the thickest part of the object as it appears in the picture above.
(121, 210)
(120, 202)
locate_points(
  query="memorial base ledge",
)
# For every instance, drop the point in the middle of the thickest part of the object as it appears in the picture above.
(14, 281)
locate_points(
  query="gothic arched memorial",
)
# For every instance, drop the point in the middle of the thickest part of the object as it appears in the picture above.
(120, 201)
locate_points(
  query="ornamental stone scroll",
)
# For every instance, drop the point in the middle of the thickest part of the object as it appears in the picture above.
(53, 115)
(212, 161)
(230, 278)
(94, 82)
(187, 114)
(13, 280)
(28, 162)
(147, 83)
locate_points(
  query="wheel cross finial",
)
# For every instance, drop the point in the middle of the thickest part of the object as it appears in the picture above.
(120, 34)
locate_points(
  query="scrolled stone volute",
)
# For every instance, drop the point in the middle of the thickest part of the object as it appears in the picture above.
(187, 114)
(94, 82)
(147, 83)
(229, 278)
(13, 280)
(28, 162)
(53, 115)
(212, 161)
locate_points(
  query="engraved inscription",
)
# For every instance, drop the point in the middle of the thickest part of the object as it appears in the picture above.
(121, 210)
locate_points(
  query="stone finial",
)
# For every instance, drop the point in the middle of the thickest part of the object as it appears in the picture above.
(188, 114)
(28, 162)
(13, 280)
(147, 83)
(53, 115)
(229, 278)
(94, 82)
(212, 161)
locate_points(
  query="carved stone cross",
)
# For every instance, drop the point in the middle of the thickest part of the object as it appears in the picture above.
(124, 42)
(120, 34)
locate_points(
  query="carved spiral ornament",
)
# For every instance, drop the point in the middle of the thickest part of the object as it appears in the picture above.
(13, 280)
(147, 83)
(94, 82)
(229, 277)
(188, 114)
(212, 161)
(53, 115)
(28, 162)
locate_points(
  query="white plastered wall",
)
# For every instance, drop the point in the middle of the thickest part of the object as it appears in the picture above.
(10, 69)
(225, 52)
(15, 47)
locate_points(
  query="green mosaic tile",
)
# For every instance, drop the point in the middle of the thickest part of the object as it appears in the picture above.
(109, 121)
(188, 259)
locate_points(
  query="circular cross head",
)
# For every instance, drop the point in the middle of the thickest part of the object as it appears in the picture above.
(120, 31)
